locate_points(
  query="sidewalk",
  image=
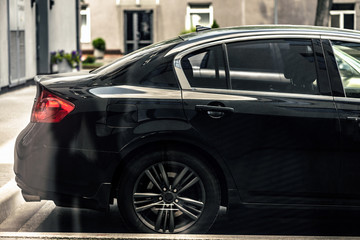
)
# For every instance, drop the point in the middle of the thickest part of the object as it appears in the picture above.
(10, 195)
(6, 162)
(15, 108)
(6, 174)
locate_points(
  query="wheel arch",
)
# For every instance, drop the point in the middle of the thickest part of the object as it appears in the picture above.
(169, 141)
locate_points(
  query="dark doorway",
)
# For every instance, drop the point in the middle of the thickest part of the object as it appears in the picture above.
(138, 29)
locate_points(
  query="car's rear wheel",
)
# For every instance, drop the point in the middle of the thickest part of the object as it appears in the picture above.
(169, 192)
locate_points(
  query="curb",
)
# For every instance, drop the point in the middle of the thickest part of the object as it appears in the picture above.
(111, 236)
(10, 199)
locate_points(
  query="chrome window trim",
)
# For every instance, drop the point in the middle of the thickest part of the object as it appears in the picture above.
(136, 92)
(346, 100)
(232, 94)
(184, 83)
(196, 41)
(340, 38)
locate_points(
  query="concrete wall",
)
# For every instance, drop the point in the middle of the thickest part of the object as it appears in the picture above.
(61, 30)
(226, 18)
(105, 23)
(169, 16)
(299, 12)
(30, 40)
(62, 26)
(30, 44)
(4, 58)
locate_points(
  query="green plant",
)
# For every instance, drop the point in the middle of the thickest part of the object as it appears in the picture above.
(92, 65)
(73, 58)
(55, 57)
(99, 44)
(89, 59)
(215, 24)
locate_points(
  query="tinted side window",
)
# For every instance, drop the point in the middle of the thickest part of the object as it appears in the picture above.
(149, 70)
(347, 56)
(205, 68)
(273, 65)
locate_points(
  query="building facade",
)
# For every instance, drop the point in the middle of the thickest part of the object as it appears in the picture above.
(29, 31)
(126, 25)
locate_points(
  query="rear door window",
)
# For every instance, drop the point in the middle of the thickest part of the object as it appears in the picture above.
(273, 65)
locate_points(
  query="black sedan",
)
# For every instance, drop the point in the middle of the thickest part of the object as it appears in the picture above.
(181, 129)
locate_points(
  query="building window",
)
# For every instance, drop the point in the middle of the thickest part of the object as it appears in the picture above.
(199, 14)
(343, 16)
(85, 25)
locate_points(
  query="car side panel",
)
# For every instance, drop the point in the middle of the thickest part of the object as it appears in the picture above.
(278, 148)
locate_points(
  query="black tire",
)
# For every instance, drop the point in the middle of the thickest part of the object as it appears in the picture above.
(168, 191)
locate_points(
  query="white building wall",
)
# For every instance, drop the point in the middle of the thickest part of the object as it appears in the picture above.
(30, 43)
(105, 23)
(4, 67)
(62, 26)
(30, 40)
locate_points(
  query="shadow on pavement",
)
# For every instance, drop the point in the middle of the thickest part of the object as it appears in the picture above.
(241, 222)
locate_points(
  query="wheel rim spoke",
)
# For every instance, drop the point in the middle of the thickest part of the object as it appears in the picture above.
(141, 195)
(156, 174)
(171, 221)
(191, 183)
(165, 220)
(153, 180)
(159, 219)
(179, 177)
(143, 201)
(164, 175)
(188, 213)
(142, 208)
(192, 201)
(198, 211)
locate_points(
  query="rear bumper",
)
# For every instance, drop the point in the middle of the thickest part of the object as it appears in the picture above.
(98, 201)
(69, 177)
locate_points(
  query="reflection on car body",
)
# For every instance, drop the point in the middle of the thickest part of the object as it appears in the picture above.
(250, 115)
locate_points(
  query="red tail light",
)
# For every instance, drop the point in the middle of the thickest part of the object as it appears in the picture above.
(50, 108)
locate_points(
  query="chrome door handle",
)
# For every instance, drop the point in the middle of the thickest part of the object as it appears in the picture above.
(356, 119)
(214, 111)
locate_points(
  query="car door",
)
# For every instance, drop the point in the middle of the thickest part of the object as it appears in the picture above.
(346, 82)
(265, 106)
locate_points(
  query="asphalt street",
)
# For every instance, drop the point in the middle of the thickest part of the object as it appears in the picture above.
(45, 217)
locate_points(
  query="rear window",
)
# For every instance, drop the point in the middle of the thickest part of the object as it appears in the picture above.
(147, 67)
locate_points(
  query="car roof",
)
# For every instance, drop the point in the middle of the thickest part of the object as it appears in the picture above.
(218, 34)
(268, 29)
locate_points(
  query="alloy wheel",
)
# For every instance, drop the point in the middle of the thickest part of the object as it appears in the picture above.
(168, 197)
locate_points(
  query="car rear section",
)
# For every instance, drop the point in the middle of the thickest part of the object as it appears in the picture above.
(56, 154)
(83, 126)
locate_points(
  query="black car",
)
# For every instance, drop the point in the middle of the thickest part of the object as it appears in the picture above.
(256, 116)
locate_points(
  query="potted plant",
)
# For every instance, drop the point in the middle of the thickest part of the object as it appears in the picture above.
(55, 59)
(58, 65)
(99, 47)
(73, 60)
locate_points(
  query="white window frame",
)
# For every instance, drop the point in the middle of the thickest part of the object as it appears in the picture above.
(341, 13)
(190, 10)
(85, 36)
